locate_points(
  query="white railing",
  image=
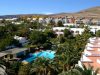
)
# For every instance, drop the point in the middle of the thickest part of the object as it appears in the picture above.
(98, 61)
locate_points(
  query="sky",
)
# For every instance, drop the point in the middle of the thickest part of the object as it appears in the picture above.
(11, 7)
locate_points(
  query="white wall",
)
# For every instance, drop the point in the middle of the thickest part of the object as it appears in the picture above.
(69, 24)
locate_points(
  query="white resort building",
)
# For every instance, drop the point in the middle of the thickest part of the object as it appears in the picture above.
(21, 40)
(74, 30)
(91, 54)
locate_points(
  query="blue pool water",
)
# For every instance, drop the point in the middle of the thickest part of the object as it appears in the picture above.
(46, 54)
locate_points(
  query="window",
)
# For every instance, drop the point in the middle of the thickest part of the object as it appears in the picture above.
(77, 31)
(56, 30)
(62, 30)
(5, 56)
(72, 31)
(61, 34)
(11, 56)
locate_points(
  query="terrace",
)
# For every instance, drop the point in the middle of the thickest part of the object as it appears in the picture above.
(14, 53)
(91, 54)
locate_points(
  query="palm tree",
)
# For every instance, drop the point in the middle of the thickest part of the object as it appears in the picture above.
(54, 66)
(40, 66)
(2, 68)
(81, 71)
(87, 71)
(67, 56)
(63, 61)
(24, 69)
(71, 72)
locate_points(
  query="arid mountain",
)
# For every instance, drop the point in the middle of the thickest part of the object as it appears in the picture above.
(91, 12)
(94, 10)
(88, 13)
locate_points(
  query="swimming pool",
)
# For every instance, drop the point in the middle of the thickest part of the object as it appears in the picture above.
(46, 54)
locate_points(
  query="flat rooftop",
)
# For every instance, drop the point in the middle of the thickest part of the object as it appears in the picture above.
(15, 50)
(12, 51)
(2, 54)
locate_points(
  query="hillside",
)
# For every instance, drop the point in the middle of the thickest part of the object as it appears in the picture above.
(89, 13)
(94, 10)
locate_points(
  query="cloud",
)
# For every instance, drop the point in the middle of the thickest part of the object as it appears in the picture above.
(48, 13)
